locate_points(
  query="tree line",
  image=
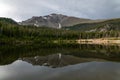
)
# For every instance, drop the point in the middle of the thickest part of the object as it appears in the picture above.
(32, 32)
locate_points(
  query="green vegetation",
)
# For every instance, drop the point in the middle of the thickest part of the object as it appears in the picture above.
(109, 25)
(32, 41)
(12, 33)
(9, 54)
(7, 20)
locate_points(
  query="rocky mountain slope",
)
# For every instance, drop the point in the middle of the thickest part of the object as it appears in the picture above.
(69, 23)
(54, 20)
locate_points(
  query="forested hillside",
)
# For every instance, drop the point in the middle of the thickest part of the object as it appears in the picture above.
(7, 21)
(13, 30)
(108, 25)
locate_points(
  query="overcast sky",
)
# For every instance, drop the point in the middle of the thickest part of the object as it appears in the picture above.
(93, 9)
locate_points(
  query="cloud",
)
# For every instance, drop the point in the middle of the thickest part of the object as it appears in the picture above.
(93, 9)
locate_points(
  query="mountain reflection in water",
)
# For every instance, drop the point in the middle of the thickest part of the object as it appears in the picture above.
(84, 62)
(9, 54)
(57, 60)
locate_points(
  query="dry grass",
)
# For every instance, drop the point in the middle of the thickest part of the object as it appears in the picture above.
(100, 41)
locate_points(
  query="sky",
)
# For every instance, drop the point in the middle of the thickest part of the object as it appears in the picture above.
(20, 10)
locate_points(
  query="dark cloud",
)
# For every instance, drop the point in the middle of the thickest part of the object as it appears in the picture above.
(93, 9)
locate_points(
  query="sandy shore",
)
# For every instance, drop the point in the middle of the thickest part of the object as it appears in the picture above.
(99, 41)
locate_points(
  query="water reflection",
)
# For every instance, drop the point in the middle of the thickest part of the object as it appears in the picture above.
(83, 62)
(9, 54)
(57, 60)
(20, 70)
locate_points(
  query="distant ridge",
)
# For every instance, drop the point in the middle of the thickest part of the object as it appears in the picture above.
(7, 20)
(60, 21)
(54, 21)
(100, 26)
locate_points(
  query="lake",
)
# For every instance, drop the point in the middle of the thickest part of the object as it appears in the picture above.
(84, 62)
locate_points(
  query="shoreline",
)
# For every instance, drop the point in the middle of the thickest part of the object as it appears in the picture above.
(99, 41)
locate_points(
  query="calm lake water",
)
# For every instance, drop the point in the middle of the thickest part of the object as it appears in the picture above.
(86, 62)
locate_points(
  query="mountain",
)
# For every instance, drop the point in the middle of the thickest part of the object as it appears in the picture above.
(54, 20)
(7, 21)
(69, 23)
(98, 26)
